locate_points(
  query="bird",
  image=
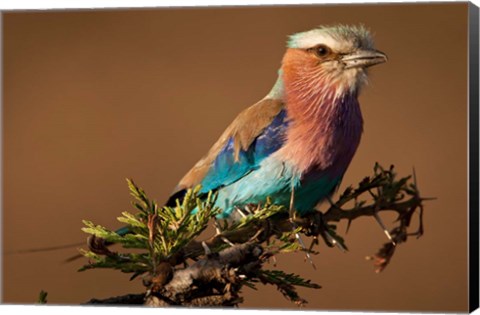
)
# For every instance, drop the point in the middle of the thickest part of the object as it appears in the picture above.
(301, 137)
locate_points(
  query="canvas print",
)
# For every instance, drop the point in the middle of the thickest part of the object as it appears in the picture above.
(271, 157)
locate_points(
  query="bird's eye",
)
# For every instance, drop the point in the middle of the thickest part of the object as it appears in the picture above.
(322, 51)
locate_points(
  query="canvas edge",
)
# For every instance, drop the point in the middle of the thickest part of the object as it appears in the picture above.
(1, 155)
(473, 73)
(473, 145)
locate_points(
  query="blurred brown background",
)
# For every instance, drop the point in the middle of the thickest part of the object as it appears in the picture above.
(92, 97)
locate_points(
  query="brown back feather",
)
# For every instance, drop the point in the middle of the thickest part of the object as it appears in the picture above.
(247, 126)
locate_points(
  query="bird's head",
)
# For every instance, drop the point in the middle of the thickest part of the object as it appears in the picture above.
(330, 58)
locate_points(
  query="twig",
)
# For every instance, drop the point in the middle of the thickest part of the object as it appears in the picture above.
(234, 256)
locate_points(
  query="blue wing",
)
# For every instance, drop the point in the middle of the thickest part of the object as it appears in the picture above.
(227, 168)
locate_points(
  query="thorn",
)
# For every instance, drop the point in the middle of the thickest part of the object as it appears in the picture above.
(274, 263)
(335, 242)
(380, 222)
(348, 226)
(227, 241)
(218, 231)
(206, 249)
(307, 254)
(241, 213)
(249, 211)
(148, 293)
(257, 234)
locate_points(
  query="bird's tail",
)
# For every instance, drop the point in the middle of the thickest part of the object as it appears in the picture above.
(171, 202)
(43, 249)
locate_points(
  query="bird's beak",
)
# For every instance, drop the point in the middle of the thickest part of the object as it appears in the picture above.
(363, 59)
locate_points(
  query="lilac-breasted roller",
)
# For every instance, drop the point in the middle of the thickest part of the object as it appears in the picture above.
(302, 135)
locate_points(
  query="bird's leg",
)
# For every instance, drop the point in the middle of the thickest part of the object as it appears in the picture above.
(292, 202)
(330, 201)
(294, 225)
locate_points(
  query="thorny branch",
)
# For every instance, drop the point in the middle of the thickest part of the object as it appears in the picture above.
(178, 269)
